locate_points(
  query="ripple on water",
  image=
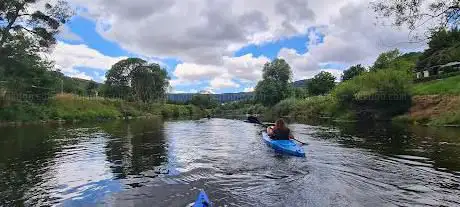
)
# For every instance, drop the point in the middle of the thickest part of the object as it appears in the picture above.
(143, 164)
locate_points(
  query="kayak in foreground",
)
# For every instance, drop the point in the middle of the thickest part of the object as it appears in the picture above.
(284, 146)
(202, 200)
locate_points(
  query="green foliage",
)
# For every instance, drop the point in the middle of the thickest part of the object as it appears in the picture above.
(309, 108)
(380, 95)
(444, 47)
(322, 83)
(352, 72)
(445, 86)
(16, 21)
(203, 101)
(449, 118)
(275, 84)
(135, 79)
(69, 107)
(385, 60)
(149, 83)
(300, 92)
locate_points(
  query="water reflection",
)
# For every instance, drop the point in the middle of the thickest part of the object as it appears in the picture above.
(78, 164)
(440, 146)
(151, 162)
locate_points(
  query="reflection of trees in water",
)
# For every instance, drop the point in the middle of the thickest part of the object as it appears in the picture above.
(136, 146)
(25, 155)
(440, 144)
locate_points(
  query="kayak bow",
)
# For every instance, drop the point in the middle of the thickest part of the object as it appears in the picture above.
(284, 146)
(202, 200)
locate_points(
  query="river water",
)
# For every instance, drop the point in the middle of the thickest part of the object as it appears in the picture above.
(156, 163)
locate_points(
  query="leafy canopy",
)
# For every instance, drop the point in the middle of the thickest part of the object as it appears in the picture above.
(275, 85)
(203, 101)
(322, 83)
(21, 18)
(135, 78)
(353, 71)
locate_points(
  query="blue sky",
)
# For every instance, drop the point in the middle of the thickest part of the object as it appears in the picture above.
(86, 30)
(221, 46)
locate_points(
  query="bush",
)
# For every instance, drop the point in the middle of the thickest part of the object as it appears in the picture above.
(376, 95)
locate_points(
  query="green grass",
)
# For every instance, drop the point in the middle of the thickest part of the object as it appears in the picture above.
(73, 107)
(449, 85)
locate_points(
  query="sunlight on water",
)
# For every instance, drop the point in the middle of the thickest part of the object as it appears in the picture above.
(151, 163)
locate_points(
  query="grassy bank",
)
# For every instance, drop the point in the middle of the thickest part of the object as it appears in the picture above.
(447, 86)
(72, 107)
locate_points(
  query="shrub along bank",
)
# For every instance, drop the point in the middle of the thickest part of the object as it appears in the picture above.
(72, 107)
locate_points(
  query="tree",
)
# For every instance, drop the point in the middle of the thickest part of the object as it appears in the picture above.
(413, 14)
(135, 78)
(17, 18)
(353, 71)
(300, 92)
(322, 83)
(385, 59)
(275, 84)
(149, 83)
(118, 78)
(443, 47)
(91, 88)
(204, 101)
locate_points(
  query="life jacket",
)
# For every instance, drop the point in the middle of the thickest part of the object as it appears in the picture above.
(279, 134)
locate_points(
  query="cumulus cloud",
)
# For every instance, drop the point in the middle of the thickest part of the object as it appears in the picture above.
(68, 58)
(246, 68)
(203, 34)
(351, 38)
(198, 31)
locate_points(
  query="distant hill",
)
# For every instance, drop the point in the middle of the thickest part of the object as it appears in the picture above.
(221, 98)
(226, 97)
(300, 83)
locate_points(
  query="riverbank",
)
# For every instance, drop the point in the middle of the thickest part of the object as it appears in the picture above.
(433, 110)
(68, 107)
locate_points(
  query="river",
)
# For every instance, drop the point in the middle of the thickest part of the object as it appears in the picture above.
(156, 163)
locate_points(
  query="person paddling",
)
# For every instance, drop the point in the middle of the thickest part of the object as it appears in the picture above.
(279, 131)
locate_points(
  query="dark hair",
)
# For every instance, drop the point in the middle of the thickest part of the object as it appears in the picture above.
(280, 124)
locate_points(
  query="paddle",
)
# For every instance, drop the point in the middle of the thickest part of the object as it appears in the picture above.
(264, 125)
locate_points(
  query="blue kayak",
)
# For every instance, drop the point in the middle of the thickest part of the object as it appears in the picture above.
(202, 200)
(284, 146)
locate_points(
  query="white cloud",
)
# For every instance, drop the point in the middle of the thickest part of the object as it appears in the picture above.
(66, 34)
(205, 33)
(246, 68)
(351, 38)
(248, 89)
(68, 57)
(222, 82)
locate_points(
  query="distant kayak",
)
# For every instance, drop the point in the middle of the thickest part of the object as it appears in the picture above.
(288, 147)
(202, 200)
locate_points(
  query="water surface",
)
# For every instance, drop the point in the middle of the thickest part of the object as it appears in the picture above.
(156, 163)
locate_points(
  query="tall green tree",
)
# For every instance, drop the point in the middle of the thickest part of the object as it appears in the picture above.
(322, 83)
(21, 17)
(443, 47)
(118, 78)
(385, 60)
(353, 71)
(149, 83)
(275, 85)
(135, 78)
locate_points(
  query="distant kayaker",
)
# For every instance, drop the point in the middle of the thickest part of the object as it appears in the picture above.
(279, 131)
